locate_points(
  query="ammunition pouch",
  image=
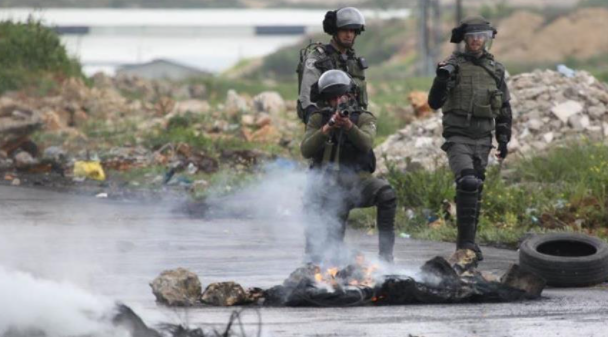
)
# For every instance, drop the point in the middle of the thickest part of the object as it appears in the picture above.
(491, 110)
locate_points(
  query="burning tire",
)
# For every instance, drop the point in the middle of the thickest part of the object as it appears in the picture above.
(566, 259)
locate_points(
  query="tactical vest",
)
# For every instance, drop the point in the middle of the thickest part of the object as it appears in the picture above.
(351, 158)
(349, 63)
(476, 92)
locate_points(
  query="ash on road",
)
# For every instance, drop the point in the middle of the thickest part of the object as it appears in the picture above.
(115, 249)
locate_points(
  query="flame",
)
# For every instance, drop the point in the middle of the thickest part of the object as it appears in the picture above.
(376, 299)
(359, 274)
(329, 276)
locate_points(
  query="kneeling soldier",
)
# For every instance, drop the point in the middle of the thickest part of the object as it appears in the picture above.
(339, 141)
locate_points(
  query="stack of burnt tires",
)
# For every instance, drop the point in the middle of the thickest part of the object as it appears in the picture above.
(566, 259)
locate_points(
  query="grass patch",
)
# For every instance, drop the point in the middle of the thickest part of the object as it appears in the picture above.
(395, 91)
(101, 134)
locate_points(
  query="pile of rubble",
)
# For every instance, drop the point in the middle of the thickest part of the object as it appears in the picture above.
(549, 107)
(75, 118)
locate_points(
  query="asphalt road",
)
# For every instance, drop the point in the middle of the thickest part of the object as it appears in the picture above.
(115, 249)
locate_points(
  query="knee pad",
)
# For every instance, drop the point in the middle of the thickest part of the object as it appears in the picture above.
(387, 197)
(469, 181)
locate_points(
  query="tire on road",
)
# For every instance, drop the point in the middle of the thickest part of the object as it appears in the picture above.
(566, 259)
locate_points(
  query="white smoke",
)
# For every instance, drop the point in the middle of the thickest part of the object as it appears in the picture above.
(52, 308)
(277, 195)
(297, 198)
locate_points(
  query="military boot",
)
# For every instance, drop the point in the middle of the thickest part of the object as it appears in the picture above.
(386, 229)
(477, 214)
(386, 242)
(466, 219)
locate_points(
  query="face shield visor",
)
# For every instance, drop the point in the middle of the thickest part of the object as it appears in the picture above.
(478, 41)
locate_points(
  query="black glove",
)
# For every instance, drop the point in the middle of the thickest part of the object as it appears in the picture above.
(503, 124)
(502, 150)
(438, 93)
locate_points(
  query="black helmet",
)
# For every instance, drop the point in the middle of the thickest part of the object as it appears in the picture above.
(334, 83)
(471, 24)
(343, 18)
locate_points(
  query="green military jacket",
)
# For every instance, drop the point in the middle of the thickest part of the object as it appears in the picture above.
(355, 151)
(475, 96)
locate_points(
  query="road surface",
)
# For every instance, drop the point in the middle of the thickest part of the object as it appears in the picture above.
(115, 249)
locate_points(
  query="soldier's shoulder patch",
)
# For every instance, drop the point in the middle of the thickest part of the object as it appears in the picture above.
(310, 63)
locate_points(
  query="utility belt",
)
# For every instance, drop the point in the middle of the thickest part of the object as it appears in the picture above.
(464, 120)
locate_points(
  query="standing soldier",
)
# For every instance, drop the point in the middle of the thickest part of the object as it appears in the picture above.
(344, 25)
(339, 140)
(471, 88)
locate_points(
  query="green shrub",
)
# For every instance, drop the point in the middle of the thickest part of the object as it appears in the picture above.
(30, 52)
(421, 188)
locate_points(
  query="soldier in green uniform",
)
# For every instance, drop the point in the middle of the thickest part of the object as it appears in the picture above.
(470, 87)
(339, 141)
(344, 25)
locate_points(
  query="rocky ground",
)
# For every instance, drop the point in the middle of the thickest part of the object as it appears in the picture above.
(549, 108)
(169, 132)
